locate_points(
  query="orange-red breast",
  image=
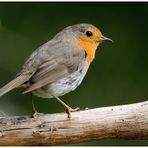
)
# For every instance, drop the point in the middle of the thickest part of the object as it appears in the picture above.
(59, 66)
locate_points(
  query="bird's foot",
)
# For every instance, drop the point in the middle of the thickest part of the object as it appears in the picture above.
(36, 114)
(69, 110)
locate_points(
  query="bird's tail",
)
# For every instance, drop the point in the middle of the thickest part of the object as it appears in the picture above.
(14, 83)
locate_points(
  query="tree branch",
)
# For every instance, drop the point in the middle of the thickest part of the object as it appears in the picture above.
(115, 122)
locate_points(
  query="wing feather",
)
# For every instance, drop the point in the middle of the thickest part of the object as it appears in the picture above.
(47, 73)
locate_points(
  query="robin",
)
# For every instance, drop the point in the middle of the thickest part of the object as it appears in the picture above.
(59, 66)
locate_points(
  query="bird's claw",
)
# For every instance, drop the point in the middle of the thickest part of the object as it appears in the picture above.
(69, 110)
(36, 114)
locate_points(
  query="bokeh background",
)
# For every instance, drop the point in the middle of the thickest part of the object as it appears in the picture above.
(118, 75)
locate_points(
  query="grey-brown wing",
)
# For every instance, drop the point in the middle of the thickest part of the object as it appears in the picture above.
(47, 73)
(52, 61)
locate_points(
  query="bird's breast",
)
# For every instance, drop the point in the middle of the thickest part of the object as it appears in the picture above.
(89, 47)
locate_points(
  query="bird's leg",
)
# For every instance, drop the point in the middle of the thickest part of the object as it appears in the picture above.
(34, 111)
(68, 108)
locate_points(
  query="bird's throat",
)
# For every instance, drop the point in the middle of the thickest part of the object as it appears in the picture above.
(89, 47)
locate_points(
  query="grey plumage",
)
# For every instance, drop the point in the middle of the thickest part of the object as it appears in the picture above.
(52, 61)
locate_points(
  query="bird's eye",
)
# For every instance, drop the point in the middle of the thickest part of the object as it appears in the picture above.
(89, 33)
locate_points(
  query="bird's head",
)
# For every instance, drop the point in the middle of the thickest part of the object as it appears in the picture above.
(89, 37)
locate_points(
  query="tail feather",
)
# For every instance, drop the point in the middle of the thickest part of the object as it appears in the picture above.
(14, 83)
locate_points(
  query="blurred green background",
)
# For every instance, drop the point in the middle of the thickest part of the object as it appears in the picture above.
(118, 75)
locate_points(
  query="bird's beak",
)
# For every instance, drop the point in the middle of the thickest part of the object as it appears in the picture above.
(105, 39)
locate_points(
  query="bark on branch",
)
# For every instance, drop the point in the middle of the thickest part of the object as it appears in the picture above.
(120, 122)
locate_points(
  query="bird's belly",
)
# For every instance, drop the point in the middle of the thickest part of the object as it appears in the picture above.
(64, 85)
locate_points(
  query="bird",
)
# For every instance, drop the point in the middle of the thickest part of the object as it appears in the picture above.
(59, 66)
